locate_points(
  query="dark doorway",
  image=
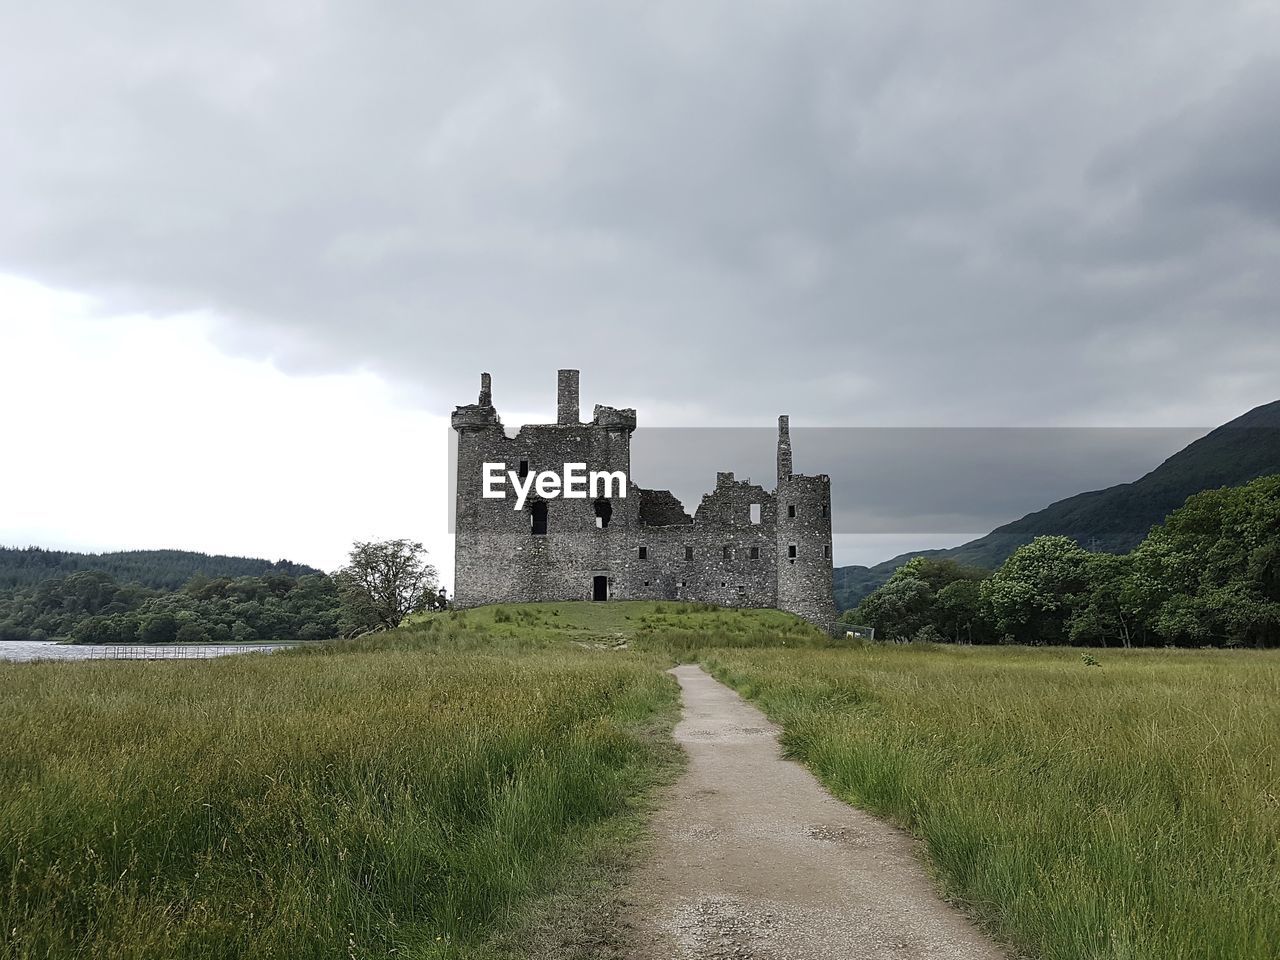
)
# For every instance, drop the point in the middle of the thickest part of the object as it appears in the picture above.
(539, 512)
(600, 588)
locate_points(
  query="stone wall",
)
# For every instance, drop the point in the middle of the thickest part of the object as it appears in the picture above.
(658, 508)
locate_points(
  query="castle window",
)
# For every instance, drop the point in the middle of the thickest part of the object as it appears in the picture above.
(742, 591)
(791, 510)
(539, 514)
(688, 553)
(644, 553)
(728, 552)
(683, 583)
(723, 584)
(524, 469)
(791, 551)
(826, 552)
(604, 512)
(755, 553)
(824, 509)
(646, 583)
(755, 513)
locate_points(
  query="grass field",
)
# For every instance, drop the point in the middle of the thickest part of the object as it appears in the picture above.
(390, 796)
(472, 785)
(449, 789)
(1126, 811)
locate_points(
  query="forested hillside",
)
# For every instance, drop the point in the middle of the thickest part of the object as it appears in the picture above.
(1114, 520)
(158, 569)
(161, 596)
(92, 607)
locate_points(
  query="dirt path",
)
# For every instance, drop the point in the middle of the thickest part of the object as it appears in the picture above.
(754, 859)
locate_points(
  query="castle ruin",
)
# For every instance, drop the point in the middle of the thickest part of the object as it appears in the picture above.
(743, 547)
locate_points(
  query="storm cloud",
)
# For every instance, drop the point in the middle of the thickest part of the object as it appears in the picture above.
(857, 213)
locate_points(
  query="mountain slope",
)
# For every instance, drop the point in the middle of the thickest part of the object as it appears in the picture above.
(1116, 519)
(160, 569)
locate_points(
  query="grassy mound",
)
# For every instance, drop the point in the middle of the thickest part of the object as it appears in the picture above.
(678, 630)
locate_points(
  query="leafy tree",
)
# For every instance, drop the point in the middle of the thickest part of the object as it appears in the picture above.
(939, 572)
(898, 609)
(909, 601)
(1107, 610)
(111, 628)
(1037, 590)
(382, 583)
(158, 627)
(961, 614)
(1211, 572)
(192, 632)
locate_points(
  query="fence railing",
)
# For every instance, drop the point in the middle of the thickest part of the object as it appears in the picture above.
(203, 651)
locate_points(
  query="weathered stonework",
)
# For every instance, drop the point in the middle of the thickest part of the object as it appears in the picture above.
(743, 547)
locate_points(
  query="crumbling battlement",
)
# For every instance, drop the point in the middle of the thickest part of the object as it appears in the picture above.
(744, 546)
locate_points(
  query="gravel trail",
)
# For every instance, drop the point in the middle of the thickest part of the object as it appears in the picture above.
(754, 859)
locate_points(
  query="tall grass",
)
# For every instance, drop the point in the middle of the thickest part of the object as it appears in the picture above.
(412, 794)
(685, 632)
(1127, 811)
(401, 796)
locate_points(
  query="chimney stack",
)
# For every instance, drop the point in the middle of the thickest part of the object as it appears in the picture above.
(784, 448)
(567, 398)
(486, 391)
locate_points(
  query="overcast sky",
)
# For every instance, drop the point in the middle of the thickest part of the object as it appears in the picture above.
(253, 253)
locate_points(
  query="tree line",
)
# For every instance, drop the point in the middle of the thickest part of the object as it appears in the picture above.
(160, 569)
(1208, 576)
(92, 607)
(382, 583)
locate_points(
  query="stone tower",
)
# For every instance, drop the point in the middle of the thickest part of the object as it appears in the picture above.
(804, 537)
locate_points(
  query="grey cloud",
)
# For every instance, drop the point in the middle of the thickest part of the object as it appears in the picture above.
(1220, 154)
(866, 213)
(913, 480)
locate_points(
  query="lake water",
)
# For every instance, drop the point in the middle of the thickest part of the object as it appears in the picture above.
(48, 650)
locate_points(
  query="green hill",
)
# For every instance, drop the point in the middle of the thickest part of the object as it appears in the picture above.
(1116, 519)
(158, 569)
